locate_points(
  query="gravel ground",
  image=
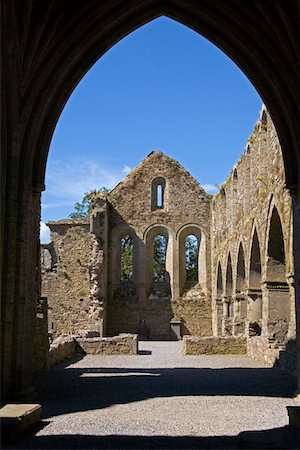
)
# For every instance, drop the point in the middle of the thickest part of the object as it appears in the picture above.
(159, 399)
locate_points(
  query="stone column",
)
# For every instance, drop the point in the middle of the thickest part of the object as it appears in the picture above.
(292, 321)
(178, 270)
(98, 263)
(20, 286)
(296, 241)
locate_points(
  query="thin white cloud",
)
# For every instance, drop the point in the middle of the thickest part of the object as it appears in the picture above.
(126, 169)
(57, 205)
(210, 188)
(66, 183)
(44, 233)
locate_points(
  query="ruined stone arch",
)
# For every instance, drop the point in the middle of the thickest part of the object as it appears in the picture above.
(275, 247)
(117, 234)
(229, 277)
(277, 296)
(254, 310)
(149, 235)
(219, 281)
(159, 193)
(240, 284)
(219, 295)
(181, 235)
(255, 257)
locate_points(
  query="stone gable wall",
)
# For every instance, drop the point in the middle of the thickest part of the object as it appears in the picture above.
(131, 212)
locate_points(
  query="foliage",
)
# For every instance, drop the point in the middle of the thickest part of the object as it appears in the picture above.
(83, 208)
(126, 258)
(159, 258)
(191, 258)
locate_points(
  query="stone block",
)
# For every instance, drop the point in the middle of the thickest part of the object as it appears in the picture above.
(123, 344)
(16, 418)
(294, 416)
(195, 345)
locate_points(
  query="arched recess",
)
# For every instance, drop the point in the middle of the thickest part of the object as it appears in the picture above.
(254, 313)
(228, 305)
(150, 236)
(261, 40)
(276, 269)
(159, 194)
(276, 286)
(219, 299)
(255, 264)
(240, 271)
(115, 276)
(229, 286)
(240, 294)
(182, 235)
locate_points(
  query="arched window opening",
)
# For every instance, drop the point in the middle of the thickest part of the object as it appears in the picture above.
(235, 174)
(219, 282)
(254, 313)
(219, 303)
(229, 278)
(191, 259)
(159, 258)
(158, 194)
(277, 288)
(255, 264)
(276, 256)
(126, 258)
(240, 282)
(46, 260)
(48, 257)
(264, 117)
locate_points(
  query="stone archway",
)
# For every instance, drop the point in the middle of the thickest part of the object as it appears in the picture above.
(47, 49)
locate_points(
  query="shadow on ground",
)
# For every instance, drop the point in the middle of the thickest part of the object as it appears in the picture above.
(278, 438)
(84, 389)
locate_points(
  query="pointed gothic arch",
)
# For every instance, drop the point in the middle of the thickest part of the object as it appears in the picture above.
(259, 39)
(240, 270)
(276, 267)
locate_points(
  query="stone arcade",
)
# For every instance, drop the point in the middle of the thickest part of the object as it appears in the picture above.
(244, 285)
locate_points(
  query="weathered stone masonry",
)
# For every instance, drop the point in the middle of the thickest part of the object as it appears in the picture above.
(110, 305)
(245, 271)
(252, 263)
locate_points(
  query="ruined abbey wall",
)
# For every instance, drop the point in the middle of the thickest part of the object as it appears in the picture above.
(185, 210)
(252, 263)
(65, 276)
(244, 285)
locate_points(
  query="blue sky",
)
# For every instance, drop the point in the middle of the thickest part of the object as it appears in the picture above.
(162, 87)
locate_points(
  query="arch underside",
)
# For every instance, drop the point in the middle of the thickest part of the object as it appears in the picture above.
(54, 65)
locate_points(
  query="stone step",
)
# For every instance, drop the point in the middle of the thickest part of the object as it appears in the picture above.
(16, 418)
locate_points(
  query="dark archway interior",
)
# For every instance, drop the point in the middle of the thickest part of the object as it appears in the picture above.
(229, 277)
(240, 282)
(255, 264)
(276, 254)
(219, 282)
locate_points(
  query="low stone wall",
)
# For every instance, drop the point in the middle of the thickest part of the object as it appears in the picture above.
(62, 348)
(123, 344)
(195, 345)
(258, 348)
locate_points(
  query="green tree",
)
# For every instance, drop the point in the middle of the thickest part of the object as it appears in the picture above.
(126, 258)
(191, 258)
(159, 258)
(83, 208)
